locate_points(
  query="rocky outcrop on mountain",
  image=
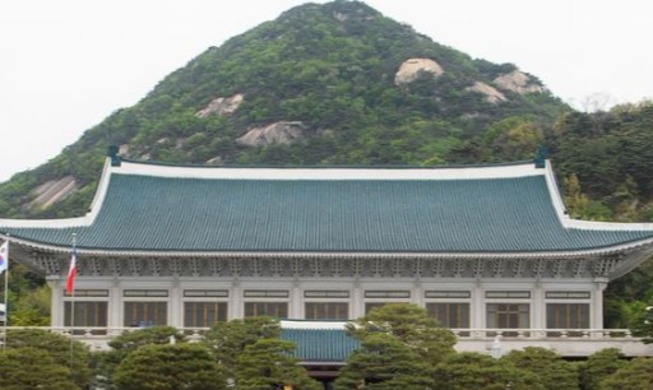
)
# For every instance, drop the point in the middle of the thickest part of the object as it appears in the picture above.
(276, 133)
(410, 70)
(221, 106)
(491, 94)
(53, 191)
(519, 82)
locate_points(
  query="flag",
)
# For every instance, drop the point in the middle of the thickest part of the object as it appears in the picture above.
(4, 256)
(72, 272)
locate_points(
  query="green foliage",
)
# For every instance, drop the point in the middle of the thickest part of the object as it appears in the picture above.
(58, 348)
(599, 366)
(33, 368)
(227, 340)
(265, 364)
(385, 362)
(409, 324)
(636, 375)
(400, 345)
(470, 371)
(170, 367)
(550, 370)
(130, 341)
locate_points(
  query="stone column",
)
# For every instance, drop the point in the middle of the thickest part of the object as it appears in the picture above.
(175, 302)
(596, 308)
(57, 303)
(538, 307)
(236, 301)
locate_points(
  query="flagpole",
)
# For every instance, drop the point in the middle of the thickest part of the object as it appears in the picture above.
(4, 333)
(72, 306)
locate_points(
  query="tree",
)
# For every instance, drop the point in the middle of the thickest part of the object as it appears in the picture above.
(170, 367)
(130, 341)
(58, 347)
(551, 371)
(33, 368)
(266, 364)
(409, 324)
(400, 346)
(385, 363)
(599, 366)
(468, 370)
(227, 340)
(636, 375)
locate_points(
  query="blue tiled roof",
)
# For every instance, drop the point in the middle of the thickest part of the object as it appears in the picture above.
(320, 345)
(154, 213)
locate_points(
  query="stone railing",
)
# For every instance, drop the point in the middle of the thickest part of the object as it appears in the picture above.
(566, 342)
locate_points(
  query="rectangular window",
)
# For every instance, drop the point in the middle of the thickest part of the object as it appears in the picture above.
(397, 294)
(272, 309)
(369, 306)
(507, 294)
(568, 295)
(91, 314)
(204, 314)
(450, 315)
(326, 294)
(145, 293)
(266, 294)
(508, 315)
(447, 294)
(326, 311)
(141, 314)
(206, 293)
(88, 293)
(567, 316)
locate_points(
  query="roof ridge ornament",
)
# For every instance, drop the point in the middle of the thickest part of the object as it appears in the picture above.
(112, 153)
(541, 156)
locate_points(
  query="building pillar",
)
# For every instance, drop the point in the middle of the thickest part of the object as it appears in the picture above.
(418, 294)
(175, 301)
(115, 315)
(596, 309)
(358, 306)
(236, 302)
(296, 309)
(56, 303)
(477, 311)
(538, 307)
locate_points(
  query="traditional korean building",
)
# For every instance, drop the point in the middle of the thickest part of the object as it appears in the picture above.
(480, 247)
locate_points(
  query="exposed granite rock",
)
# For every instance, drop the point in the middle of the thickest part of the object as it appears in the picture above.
(221, 106)
(53, 191)
(411, 68)
(519, 82)
(491, 94)
(276, 133)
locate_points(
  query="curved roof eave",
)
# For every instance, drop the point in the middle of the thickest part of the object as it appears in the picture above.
(612, 249)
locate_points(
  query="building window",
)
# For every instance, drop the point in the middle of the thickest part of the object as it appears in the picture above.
(145, 293)
(206, 293)
(508, 315)
(326, 311)
(204, 314)
(447, 294)
(146, 313)
(87, 293)
(326, 294)
(507, 294)
(87, 314)
(272, 309)
(568, 295)
(266, 294)
(567, 316)
(450, 315)
(369, 306)
(393, 294)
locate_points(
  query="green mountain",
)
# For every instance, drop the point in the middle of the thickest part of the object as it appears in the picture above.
(337, 83)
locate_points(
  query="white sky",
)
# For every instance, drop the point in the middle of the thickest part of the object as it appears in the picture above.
(67, 64)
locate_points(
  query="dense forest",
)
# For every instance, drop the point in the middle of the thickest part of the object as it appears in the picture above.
(341, 84)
